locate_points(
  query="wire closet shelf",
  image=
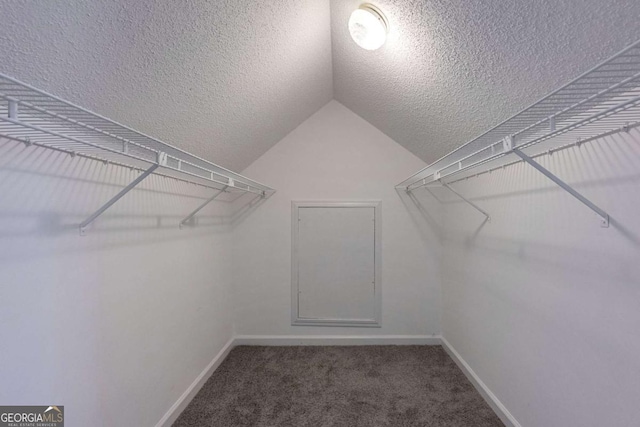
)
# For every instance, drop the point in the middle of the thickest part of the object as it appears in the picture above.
(34, 117)
(603, 101)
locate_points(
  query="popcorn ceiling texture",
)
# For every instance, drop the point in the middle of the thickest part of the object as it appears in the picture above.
(451, 69)
(227, 80)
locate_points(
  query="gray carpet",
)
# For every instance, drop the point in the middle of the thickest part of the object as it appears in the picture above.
(338, 386)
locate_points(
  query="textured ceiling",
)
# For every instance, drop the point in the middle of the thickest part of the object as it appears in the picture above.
(451, 69)
(227, 79)
(223, 79)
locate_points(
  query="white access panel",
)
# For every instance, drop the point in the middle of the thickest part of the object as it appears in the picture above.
(335, 264)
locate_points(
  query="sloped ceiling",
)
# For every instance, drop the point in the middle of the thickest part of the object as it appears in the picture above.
(451, 69)
(227, 79)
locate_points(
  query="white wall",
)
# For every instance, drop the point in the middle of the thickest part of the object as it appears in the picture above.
(117, 324)
(336, 155)
(541, 302)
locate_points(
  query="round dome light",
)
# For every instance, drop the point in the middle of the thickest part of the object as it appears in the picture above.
(368, 27)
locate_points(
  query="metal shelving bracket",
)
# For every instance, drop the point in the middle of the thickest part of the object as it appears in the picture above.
(604, 217)
(162, 161)
(469, 202)
(426, 186)
(199, 208)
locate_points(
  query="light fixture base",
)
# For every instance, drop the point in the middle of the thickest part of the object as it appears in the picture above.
(368, 26)
(377, 13)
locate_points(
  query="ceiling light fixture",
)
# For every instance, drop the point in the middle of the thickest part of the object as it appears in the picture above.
(368, 27)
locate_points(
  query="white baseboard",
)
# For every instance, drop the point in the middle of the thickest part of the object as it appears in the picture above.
(497, 406)
(289, 340)
(174, 412)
